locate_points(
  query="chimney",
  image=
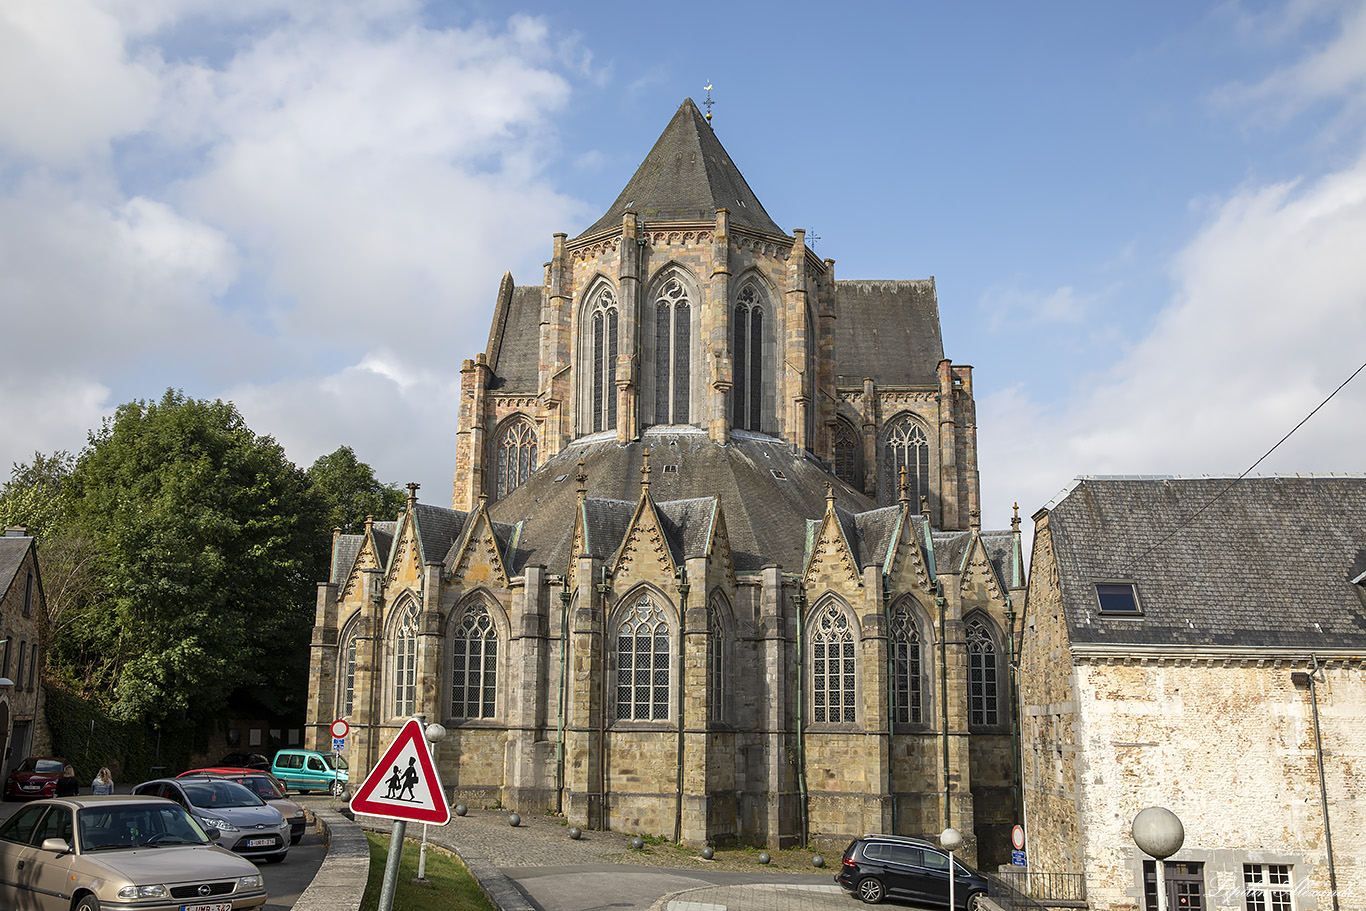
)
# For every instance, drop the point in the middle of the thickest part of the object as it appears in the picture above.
(16, 531)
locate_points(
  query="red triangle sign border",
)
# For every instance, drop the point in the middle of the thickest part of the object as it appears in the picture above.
(368, 803)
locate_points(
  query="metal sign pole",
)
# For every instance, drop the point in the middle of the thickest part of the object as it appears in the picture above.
(386, 889)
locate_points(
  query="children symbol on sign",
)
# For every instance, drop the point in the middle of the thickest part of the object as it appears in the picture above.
(410, 779)
(395, 784)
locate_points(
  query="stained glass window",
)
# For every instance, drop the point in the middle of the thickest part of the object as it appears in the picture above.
(982, 694)
(405, 662)
(906, 679)
(833, 670)
(906, 446)
(517, 453)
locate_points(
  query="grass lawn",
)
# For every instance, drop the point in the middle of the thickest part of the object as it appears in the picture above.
(450, 888)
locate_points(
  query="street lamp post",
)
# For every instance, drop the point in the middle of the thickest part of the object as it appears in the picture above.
(952, 840)
(435, 734)
(1159, 834)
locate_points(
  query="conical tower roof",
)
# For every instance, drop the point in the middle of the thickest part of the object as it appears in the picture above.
(686, 177)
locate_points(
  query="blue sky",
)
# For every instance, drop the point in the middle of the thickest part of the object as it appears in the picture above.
(1146, 221)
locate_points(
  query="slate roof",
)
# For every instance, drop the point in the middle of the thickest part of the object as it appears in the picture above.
(1266, 565)
(887, 330)
(346, 548)
(686, 177)
(438, 527)
(514, 348)
(12, 552)
(765, 515)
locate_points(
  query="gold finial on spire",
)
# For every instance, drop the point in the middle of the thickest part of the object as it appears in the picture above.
(708, 103)
(645, 471)
(903, 491)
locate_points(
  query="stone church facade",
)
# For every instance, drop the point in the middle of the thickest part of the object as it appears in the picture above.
(713, 566)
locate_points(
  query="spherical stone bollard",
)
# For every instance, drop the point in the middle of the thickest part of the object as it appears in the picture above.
(763, 857)
(461, 809)
(708, 853)
(514, 820)
(818, 861)
(575, 832)
(637, 842)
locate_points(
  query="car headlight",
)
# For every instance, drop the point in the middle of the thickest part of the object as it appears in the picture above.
(129, 893)
(220, 824)
(298, 813)
(249, 882)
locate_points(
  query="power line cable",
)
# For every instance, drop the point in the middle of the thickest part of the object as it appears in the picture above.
(1195, 515)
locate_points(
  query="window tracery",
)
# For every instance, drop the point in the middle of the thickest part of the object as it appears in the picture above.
(847, 449)
(747, 351)
(673, 354)
(517, 453)
(833, 670)
(474, 665)
(642, 652)
(906, 446)
(603, 321)
(405, 662)
(982, 689)
(716, 669)
(906, 670)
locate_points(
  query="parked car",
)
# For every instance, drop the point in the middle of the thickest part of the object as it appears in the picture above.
(309, 770)
(875, 867)
(267, 787)
(245, 823)
(36, 776)
(244, 761)
(93, 853)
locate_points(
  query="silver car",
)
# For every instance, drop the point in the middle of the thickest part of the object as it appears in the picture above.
(245, 823)
(102, 853)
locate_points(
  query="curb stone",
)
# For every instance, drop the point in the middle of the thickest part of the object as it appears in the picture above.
(339, 883)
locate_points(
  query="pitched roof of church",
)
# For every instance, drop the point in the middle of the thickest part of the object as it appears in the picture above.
(514, 346)
(1266, 562)
(686, 177)
(13, 549)
(887, 330)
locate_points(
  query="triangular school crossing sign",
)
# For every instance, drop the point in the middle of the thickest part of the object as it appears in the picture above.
(404, 784)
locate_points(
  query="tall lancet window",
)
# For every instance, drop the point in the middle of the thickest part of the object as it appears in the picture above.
(516, 455)
(673, 329)
(747, 330)
(982, 696)
(811, 379)
(906, 446)
(603, 324)
(847, 446)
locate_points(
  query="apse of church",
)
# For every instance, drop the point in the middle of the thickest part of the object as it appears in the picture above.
(713, 568)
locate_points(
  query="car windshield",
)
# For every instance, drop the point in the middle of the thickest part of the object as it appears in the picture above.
(218, 795)
(334, 762)
(263, 788)
(114, 826)
(42, 766)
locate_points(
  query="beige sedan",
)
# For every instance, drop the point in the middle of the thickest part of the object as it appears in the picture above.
(143, 853)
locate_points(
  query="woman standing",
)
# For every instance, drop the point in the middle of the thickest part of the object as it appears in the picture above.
(67, 785)
(103, 783)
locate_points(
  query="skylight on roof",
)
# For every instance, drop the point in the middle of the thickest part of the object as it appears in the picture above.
(1118, 598)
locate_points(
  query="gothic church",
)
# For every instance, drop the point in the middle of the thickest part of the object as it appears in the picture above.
(713, 567)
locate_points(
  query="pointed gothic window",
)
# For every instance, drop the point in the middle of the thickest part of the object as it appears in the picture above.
(474, 664)
(906, 446)
(833, 670)
(747, 331)
(405, 662)
(982, 695)
(906, 679)
(847, 449)
(516, 455)
(716, 668)
(642, 651)
(348, 699)
(604, 385)
(673, 353)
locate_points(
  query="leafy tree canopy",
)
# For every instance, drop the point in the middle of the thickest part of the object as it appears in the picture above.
(348, 491)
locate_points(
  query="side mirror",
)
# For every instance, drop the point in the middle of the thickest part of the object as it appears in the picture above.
(212, 832)
(56, 845)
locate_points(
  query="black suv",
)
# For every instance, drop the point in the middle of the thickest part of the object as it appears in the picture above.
(881, 866)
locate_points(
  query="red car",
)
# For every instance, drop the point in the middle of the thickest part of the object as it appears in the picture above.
(36, 776)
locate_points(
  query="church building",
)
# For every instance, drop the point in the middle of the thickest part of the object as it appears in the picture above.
(713, 567)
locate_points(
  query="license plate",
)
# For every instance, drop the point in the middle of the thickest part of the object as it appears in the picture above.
(216, 906)
(259, 842)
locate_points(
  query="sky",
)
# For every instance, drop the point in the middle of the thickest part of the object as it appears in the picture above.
(1146, 222)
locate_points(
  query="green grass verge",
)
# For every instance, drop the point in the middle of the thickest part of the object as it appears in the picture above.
(450, 886)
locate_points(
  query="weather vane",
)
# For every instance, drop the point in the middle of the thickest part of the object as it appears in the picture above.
(708, 103)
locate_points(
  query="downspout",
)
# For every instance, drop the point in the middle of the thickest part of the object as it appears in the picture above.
(799, 601)
(1014, 715)
(1323, 788)
(683, 588)
(564, 687)
(891, 689)
(604, 588)
(944, 689)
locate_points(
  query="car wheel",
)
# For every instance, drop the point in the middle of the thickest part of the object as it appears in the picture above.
(295, 839)
(976, 902)
(88, 902)
(871, 890)
(337, 788)
(276, 858)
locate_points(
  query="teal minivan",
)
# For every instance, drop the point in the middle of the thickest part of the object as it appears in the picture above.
(309, 770)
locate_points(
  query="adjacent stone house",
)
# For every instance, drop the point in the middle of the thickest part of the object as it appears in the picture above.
(23, 615)
(713, 567)
(1199, 644)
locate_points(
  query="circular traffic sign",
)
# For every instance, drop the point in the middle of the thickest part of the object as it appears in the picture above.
(1017, 837)
(340, 727)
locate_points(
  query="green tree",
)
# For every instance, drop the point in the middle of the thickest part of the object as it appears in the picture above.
(37, 495)
(348, 491)
(208, 543)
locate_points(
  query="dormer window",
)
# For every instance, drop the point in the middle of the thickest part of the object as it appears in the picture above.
(1118, 598)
